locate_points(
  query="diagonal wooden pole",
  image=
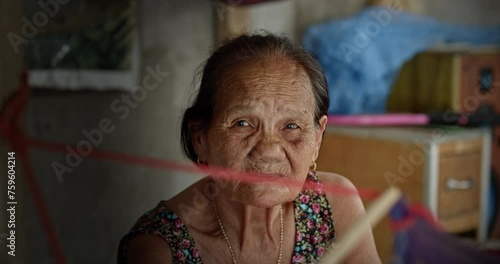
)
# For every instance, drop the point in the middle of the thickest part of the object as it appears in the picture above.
(376, 211)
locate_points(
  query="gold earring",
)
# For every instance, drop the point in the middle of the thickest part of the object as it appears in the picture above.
(313, 166)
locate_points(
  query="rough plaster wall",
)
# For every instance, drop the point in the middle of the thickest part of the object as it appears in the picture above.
(292, 17)
(278, 17)
(99, 201)
(318, 11)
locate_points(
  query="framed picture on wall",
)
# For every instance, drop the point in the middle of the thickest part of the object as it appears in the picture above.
(86, 44)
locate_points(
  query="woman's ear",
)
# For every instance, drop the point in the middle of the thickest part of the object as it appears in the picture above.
(198, 139)
(319, 135)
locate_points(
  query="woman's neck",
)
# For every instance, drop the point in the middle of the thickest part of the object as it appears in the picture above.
(248, 225)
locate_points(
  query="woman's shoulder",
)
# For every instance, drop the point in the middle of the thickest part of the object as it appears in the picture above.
(158, 231)
(146, 242)
(342, 195)
(334, 178)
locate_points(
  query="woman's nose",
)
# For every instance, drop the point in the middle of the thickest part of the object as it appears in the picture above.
(269, 148)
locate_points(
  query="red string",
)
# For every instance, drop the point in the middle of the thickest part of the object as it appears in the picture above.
(10, 129)
(415, 211)
(169, 165)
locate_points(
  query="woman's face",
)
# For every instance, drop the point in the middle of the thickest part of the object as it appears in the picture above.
(263, 123)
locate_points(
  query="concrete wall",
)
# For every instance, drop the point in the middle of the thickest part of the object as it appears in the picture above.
(99, 201)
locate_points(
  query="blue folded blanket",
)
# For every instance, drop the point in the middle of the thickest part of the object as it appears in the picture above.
(362, 55)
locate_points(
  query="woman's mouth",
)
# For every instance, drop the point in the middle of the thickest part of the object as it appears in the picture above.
(269, 176)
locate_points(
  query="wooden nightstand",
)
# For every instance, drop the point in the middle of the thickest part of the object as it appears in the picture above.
(444, 168)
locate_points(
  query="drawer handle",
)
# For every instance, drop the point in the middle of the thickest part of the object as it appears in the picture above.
(452, 184)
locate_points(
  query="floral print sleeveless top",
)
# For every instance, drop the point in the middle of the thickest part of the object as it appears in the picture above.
(313, 223)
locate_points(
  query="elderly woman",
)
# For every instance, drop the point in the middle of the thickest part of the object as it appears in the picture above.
(261, 108)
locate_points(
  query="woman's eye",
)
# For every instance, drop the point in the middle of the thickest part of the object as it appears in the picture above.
(242, 123)
(292, 126)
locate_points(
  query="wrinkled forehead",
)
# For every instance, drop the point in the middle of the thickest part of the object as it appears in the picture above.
(260, 80)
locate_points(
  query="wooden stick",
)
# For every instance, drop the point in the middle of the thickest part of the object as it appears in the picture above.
(376, 211)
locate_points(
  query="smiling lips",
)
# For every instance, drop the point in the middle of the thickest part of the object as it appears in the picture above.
(269, 171)
(269, 176)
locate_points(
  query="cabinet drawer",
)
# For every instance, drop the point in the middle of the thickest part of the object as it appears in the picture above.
(459, 183)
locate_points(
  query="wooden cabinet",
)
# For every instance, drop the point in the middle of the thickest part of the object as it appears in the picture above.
(448, 80)
(451, 79)
(444, 168)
